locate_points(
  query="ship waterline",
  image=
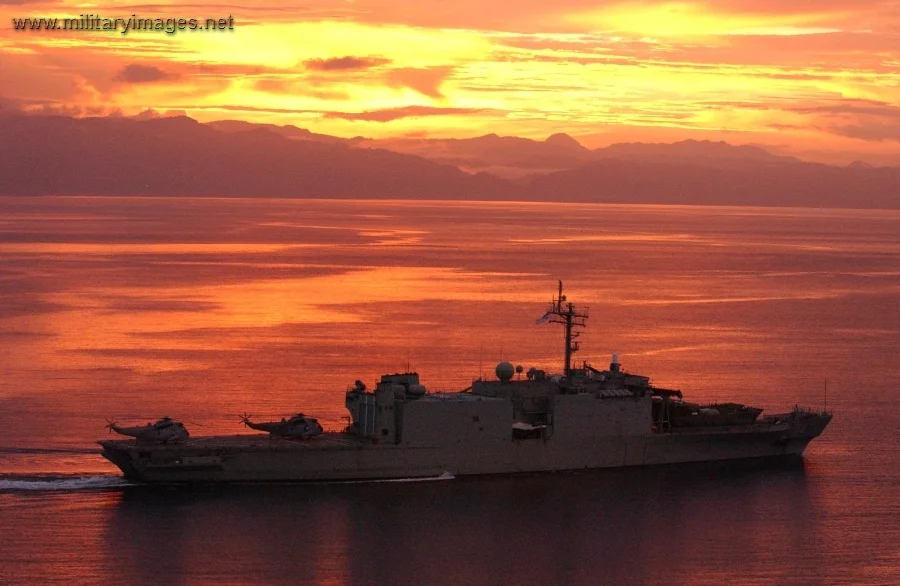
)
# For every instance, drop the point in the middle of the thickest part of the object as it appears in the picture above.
(336, 456)
(584, 418)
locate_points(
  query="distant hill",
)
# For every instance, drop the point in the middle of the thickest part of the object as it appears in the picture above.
(55, 155)
(506, 156)
(563, 140)
(287, 131)
(755, 182)
(516, 158)
(177, 156)
(689, 151)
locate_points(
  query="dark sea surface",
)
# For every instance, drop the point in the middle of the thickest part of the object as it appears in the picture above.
(202, 309)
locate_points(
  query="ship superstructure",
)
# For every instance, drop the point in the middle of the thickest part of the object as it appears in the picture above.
(522, 421)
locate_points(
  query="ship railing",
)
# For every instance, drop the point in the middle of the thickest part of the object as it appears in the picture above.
(806, 409)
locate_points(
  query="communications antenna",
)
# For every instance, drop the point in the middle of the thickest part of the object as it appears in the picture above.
(564, 312)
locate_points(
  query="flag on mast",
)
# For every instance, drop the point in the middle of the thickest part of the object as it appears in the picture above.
(544, 319)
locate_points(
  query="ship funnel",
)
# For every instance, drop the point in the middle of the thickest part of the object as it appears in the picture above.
(614, 365)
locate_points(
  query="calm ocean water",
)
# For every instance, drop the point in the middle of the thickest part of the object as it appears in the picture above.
(130, 309)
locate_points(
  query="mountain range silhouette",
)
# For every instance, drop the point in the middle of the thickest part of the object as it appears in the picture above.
(178, 156)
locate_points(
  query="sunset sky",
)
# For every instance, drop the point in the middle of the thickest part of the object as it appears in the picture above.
(817, 78)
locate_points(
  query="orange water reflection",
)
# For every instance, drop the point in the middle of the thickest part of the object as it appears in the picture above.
(208, 308)
(203, 309)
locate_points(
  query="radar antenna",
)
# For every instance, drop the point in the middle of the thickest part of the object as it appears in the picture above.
(562, 312)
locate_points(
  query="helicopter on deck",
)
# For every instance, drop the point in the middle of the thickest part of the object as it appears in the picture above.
(164, 431)
(297, 427)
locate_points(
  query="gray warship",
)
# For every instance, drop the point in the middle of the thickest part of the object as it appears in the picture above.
(582, 418)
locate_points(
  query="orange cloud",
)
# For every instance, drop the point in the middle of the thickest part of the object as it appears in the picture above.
(347, 63)
(391, 114)
(427, 81)
(300, 87)
(695, 19)
(136, 73)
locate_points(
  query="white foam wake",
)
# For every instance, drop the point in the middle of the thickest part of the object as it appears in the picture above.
(61, 483)
(444, 476)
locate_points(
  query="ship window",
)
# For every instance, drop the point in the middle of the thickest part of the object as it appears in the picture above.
(384, 432)
(476, 418)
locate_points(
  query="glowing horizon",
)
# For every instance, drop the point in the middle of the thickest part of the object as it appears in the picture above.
(819, 80)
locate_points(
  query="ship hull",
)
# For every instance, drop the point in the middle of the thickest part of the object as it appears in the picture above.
(341, 457)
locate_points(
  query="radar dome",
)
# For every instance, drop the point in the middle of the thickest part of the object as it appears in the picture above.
(520, 369)
(505, 371)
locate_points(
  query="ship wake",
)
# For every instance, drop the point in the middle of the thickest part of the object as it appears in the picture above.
(62, 483)
(444, 476)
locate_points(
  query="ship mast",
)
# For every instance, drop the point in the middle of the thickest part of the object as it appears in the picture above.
(561, 312)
